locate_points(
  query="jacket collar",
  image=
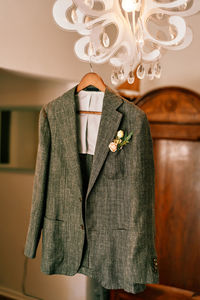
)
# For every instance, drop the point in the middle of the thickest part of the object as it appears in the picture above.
(109, 123)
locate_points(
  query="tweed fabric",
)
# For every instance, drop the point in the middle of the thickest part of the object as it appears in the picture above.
(99, 291)
(86, 165)
(119, 202)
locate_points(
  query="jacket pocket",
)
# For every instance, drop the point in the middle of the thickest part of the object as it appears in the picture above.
(52, 240)
(114, 167)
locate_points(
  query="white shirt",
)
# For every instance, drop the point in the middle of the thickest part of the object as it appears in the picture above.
(88, 124)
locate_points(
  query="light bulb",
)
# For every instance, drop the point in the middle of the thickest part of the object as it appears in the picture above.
(128, 5)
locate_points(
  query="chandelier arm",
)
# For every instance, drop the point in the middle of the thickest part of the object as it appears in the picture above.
(93, 12)
(134, 40)
(128, 21)
(176, 21)
(185, 43)
(133, 21)
(91, 68)
(172, 4)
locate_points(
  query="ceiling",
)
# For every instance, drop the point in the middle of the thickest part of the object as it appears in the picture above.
(32, 43)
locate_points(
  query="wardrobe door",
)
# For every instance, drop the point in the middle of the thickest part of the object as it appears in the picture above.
(177, 165)
(174, 116)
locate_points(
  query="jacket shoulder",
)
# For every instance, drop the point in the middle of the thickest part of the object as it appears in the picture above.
(133, 111)
(134, 108)
(54, 104)
(129, 106)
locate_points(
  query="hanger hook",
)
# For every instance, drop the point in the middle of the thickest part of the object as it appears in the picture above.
(91, 68)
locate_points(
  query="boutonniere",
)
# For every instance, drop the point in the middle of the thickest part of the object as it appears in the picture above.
(120, 140)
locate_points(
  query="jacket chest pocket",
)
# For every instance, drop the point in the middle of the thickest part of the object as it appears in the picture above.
(114, 166)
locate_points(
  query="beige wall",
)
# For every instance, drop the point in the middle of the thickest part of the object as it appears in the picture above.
(23, 138)
(15, 204)
(42, 66)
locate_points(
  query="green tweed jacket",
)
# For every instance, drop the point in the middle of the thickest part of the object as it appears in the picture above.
(119, 204)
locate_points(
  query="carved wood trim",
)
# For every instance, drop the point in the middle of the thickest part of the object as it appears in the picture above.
(173, 113)
(171, 105)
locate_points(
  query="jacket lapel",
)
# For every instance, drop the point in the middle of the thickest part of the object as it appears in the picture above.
(110, 120)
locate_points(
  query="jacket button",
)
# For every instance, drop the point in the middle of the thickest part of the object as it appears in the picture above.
(82, 226)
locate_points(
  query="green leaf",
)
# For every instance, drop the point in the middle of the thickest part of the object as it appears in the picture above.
(129, 136)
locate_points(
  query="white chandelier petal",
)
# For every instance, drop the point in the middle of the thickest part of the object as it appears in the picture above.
(59, 13)
(152, 56)
(185, 43)
(125, 44)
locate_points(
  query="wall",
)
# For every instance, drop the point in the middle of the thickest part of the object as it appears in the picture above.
(23, 133)
(15, 204)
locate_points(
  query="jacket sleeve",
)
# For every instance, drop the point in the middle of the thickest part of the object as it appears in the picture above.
(39, 187)
(147, 185)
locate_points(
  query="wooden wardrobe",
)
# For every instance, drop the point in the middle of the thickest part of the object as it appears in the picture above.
(174, 116)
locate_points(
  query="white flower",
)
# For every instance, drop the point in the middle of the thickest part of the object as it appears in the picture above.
(120, 140)
(113, 146)
(120, 134)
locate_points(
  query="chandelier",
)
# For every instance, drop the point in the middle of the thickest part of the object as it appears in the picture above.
(130, 34)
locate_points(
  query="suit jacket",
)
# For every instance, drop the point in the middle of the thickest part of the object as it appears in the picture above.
(119, 204)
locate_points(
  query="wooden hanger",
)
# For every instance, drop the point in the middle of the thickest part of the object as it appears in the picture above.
(91, 79)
